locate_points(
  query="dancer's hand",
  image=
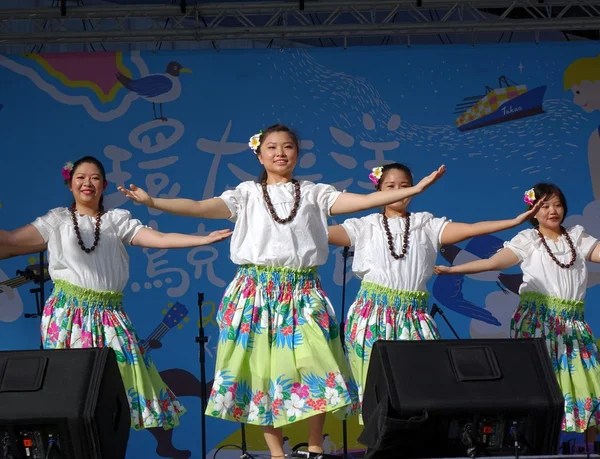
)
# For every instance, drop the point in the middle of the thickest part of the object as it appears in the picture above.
(426, 182)
(529, 214)
(217, 236)
(136, 194)
(441, 269)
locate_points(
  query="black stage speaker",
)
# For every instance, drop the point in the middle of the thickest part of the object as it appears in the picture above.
(452, 398)
(62, 404)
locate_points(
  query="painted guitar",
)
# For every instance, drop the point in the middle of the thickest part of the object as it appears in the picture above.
(173, 317)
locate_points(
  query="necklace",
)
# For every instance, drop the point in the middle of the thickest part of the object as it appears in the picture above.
(96, 231)
(390, 241)
(272, 211)
(569, 241)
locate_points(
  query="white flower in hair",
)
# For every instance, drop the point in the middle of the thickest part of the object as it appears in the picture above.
(254, 142)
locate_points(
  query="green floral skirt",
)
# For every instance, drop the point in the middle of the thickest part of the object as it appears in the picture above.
(280, 357)
(381, 313)
(572, 348)
(76, 317)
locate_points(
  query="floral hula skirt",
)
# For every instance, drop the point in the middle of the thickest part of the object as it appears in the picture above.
(381, 313)
(573, 352)
(76, 317)
(280, 357)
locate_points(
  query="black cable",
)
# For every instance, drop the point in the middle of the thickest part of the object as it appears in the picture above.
(467, 440)
(53, 446)
(50, 448)
(6, 449)
(225, 446)
(515, 435)
(238, 447)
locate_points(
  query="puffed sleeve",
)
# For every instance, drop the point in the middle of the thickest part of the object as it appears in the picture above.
(235, 200)
(47, 224)
(583, 241)
(125, 226)
(434, 226)
(521, 245)
(353, 227)
(325, 195)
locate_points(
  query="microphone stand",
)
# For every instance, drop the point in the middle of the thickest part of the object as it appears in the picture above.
(435, 309)
(39, 294)
(244, 448)
(346, 253)
(201, 339)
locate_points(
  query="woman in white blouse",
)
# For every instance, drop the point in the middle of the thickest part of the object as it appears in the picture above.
(279, 359)
(394, 255)
(554, 264)
(89, 266)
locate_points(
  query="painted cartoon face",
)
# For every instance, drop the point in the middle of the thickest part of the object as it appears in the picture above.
(587, 95)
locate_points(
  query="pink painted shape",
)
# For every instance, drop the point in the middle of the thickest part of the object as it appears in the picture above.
(98, 67)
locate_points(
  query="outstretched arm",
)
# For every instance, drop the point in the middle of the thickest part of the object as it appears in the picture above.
(208, 208)
(7, 251)
(501, 260)
(22, 241)
(348, 203)
(457, 232)
(338, 236)
(151, 239)
(595, 255)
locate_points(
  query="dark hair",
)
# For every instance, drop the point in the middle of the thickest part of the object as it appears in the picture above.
(89, 160)
(396, 166)
(275, 128)
(548, 190)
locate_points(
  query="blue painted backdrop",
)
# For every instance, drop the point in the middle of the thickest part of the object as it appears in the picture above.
(353, 109)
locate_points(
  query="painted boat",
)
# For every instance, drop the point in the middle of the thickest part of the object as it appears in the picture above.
(510, 101)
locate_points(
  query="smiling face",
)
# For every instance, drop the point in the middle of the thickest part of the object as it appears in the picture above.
(278, 153)
(552, 213)
(87, 184)
(394, 179)
(587, 95)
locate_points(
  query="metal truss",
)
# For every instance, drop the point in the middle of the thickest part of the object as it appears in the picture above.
(292, 20)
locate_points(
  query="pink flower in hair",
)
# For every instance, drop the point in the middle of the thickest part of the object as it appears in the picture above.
(66, 171)
(529, 197)
(376, 174)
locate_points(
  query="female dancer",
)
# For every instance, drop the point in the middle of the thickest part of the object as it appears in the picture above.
(279, 358)
(89, 265)
(553, 260)
(394, 255)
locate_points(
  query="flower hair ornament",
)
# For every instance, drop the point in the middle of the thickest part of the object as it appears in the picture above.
(376, 174)
(66, 171)
(529, 197)
(254, 141)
